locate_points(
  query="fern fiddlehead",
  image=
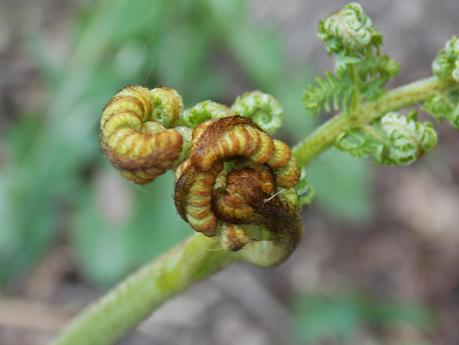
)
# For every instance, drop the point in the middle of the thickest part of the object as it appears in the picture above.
(361, 70)
(228, 169)
(262, 108)
(446, 64)
(231, 178)
(135, 132)
(393, 140)
(350, 28)
(204, 111)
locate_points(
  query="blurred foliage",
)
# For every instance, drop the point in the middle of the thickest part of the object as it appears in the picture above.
(48, 183)
(337, 317)
(343, 186)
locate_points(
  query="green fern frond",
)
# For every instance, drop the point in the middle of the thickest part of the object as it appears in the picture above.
(350, 29)
(329, 92)
(361, 71)
(380, 67)
(446, 64)
(393, 140)
(444, 107)
(359, 144)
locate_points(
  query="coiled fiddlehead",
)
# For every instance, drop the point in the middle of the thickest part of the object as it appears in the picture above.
(135, 132)
(262, 108)
(204, 111)
(443, 106)
(230, 174)
(446, 64)
(230, 180)
(394, 140)
(349, 29)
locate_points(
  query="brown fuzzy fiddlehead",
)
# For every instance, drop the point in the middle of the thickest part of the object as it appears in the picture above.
(136, 133)
(231, 180)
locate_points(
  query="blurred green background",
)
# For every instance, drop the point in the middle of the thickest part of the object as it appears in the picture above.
(63, 206)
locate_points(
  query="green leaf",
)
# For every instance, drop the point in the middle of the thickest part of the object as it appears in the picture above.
(329, 92)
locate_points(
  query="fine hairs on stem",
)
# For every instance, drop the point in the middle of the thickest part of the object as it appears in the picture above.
(236, 186)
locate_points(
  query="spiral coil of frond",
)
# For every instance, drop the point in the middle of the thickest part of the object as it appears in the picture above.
(394, 140)
(262, 108)
(446, 64)
(231, 179)
(230, 173)
(135, 132)
(204, 111)
(350, 29)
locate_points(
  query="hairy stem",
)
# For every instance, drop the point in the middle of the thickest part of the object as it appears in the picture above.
(145, 290)
(324, 136)
(134, 299)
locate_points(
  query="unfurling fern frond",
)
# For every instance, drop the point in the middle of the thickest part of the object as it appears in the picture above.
(444, 107)
(263, 109)
(446, 64)
(348, 29)
(327, 93)
(359, 144)
(376, 72)
(394, 140)
(361, 70)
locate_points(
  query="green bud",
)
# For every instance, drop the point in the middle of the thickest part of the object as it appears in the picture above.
(407, 139)
(263, 109)
(204, 111)
(394, 140)
(348, 29)
(446, 64)
(359, 144)
(444, 107)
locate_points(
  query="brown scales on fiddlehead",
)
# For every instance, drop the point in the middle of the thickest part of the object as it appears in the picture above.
(231, 178)
(229, 171)
(136, 135)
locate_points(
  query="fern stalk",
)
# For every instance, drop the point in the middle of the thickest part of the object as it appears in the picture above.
(324, 136)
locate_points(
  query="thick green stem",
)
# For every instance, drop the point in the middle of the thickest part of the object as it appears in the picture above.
(145, 290)
(324, 136)
(134, 299)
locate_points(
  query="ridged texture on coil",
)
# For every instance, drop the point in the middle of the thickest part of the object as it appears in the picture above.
(206, 192)
(204, 111)
(241, 192)
(193, 197)
(134, 133)
(262, 108)
(228, 138)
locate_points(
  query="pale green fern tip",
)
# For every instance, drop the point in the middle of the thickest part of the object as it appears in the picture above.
(204, 111)
(394, 140)
(446, 64)
(262, 108)
(348, 29)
